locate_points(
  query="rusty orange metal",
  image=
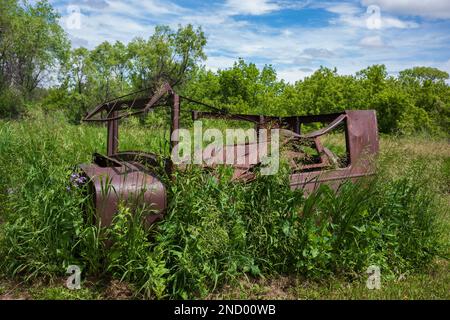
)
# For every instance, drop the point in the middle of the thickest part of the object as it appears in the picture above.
(125, 175)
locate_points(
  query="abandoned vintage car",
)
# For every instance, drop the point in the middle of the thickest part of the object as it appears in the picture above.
(120, 175)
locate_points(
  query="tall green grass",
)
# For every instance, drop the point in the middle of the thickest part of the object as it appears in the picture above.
(216, 231)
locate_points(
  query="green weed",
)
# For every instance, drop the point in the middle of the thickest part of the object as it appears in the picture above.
(216, 231)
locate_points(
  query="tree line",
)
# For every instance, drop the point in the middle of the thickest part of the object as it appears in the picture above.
(39, 69)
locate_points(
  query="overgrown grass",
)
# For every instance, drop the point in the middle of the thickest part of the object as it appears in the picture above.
(216, 232)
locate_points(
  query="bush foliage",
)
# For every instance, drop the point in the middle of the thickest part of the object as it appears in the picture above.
(215, 232)
(415, 100)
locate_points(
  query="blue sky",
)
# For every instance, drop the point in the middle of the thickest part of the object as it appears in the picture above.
(296, 37)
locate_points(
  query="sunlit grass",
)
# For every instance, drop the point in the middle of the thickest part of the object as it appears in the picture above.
(218, 232)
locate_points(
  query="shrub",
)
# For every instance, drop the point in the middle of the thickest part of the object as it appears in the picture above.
(216, 231)
(11, 103)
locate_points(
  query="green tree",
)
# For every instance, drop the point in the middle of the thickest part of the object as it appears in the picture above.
(391, 105)
(119, 62)
(32, 44)
(422, 75)
(373, 78)
(102, 59)
(78, 70)
(323, 92)
(9, 14)
(249, 89)
(38, 45)
(167, 56)
(109, 70)
(74, 93)
(430, 92)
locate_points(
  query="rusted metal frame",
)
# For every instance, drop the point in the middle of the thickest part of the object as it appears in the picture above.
(259, 126)
(336, 122)
(111, 159)
(324, 161)
(165, 88)
(293, 122)
(113, 136)
(316, 179)
(348, 150)
(218, 110)
(141, 156)
(125, 115)
(151, 104)
(361, 134)
(112, 109)
(128, 182)
(174, 127)
(313, 118)
(324, 156)
(297, 126)
(135, 154)
(104, 104)
(359, 122)
(132, 104)
(330, 155)
(113, 122)
(218, 115)
(175, 121)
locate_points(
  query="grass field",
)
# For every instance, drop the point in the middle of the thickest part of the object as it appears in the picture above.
(239, 249)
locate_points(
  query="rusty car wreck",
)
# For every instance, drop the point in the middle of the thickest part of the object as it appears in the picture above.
(128, 173)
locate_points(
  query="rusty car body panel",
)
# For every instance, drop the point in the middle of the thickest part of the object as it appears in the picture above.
(127, 175)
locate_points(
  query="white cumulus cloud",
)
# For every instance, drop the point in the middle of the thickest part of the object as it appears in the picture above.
(372, 41)
(251, 7)
(439, 9)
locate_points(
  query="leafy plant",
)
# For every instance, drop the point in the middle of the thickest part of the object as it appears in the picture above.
(216, 231)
